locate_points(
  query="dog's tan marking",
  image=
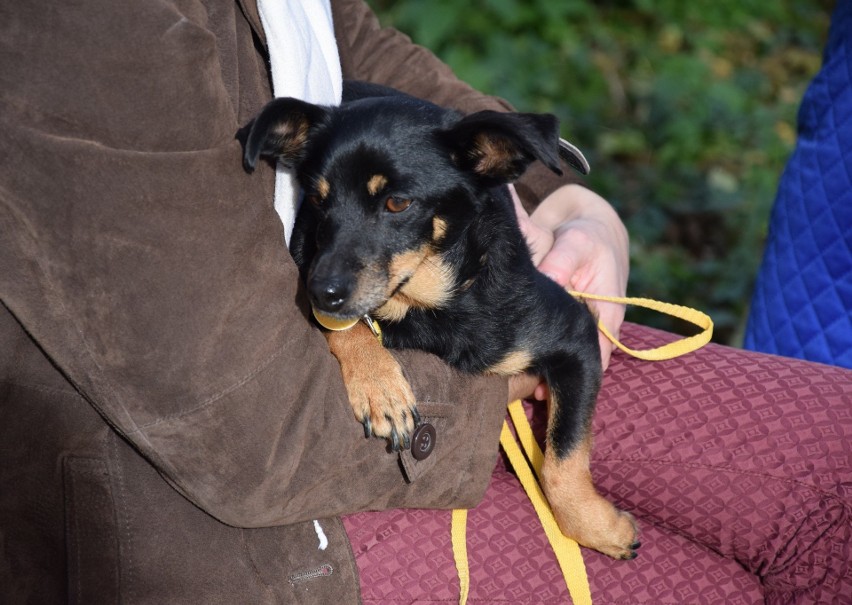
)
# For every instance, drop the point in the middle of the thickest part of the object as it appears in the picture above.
(513, 363)
(582, 513)
(493, 155)
(394, 309)
(428, 280)
(439, 229)
(404, 265)
(291, 135)
(323, 187)
(376, 183)
(430, 285)
(377, 389)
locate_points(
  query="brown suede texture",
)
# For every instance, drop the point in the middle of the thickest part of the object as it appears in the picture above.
(170, 421)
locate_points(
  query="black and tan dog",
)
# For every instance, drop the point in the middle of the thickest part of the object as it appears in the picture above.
(407, 219)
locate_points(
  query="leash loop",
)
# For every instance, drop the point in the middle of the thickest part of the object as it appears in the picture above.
(668, 351)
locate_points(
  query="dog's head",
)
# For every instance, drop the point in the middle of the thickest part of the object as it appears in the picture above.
(389, 182)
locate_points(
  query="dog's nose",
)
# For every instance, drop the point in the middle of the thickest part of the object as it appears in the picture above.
(329, 294)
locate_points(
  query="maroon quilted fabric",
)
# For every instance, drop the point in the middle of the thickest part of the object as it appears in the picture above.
(738, 466)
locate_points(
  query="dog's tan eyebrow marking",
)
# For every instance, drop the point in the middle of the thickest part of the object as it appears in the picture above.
(376, 183)
(323, 187)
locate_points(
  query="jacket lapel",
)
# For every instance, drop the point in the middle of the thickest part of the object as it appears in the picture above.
(249, 8)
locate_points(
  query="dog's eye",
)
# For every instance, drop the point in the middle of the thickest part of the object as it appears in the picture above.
(393, 204)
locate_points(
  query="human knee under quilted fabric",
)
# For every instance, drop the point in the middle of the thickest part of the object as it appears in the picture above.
(802, 303)
(736, 464)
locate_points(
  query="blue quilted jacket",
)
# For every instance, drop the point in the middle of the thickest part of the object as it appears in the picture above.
(802, 303)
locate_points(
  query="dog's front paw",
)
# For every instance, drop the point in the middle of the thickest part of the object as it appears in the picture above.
(383, 401)
(380, 395)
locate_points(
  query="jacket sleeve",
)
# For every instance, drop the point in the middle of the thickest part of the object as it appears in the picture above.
(386, 56)
(151, 269)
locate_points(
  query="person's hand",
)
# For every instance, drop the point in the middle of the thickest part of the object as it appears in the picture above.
(578, 240)
(526, 386)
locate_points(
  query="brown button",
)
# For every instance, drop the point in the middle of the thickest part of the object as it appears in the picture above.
(423, 441)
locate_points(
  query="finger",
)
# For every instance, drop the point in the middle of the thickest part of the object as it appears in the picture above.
(524, 221)
(606, 350)
(574, 247)
(539, 240)
(520, 211)
(522, 386)
(560, 263)
(611, 315)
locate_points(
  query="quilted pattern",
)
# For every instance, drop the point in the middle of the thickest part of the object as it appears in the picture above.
(737, 465)
(802, 304)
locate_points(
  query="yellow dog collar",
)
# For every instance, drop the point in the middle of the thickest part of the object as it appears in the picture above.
(338, 325)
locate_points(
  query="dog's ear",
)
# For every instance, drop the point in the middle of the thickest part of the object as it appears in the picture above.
(280, 131)
(498, 147)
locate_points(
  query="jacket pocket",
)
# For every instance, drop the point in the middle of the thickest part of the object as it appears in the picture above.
(91, 532)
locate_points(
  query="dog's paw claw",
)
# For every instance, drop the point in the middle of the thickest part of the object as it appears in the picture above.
(628, 529)
(631, 550)
(394, 436)
(387, 417)
(382, 400)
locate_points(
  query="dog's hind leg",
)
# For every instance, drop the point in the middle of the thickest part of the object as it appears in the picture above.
(581, 512)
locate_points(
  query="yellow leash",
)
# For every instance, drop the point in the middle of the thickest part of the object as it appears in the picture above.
(458, 534)
(670, 350)
(567, 551)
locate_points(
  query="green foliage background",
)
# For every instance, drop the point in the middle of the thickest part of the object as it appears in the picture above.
(686, 111)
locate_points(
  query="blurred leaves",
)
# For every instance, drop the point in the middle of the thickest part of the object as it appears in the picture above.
(686, 111)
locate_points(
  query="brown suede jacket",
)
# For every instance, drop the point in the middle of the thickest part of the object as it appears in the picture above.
(170, 422)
